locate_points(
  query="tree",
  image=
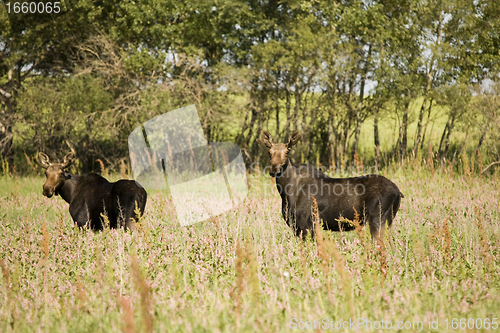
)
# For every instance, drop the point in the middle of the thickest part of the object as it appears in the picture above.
(33, 45)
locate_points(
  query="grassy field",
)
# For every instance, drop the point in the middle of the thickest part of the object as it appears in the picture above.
(244, 271)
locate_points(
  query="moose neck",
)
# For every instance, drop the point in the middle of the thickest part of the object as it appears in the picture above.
(287, 175)
(67, 189)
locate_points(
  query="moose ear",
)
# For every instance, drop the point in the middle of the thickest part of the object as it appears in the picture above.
(267, 139)
(68, 160)
(293, 139)
(43, 160)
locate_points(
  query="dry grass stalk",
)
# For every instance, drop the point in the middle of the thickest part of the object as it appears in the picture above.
(358, 161)
(105, 221)
(441, 239)
(6, 278)
(144, 292)
(123, 170)
(466, 168)
(252, 269)
(138, 223)
(483, 239)
(430, 159)
(27, 209)
(5, 273)
(446, 240)
(45, 241)
(101, 165)
(358, 229)
(81, 294)
(345, 277)
(237, 291)
(419, 250)
(33, 167)
(303, 260)
(480, 161)
(473, 164)
(325, 258)
(100, 266)
(141, 226)
(450, 167)
(381, 254)
(128, 325)
(60, 224)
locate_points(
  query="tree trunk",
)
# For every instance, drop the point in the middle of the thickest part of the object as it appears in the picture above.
(357, 132)
(359, 107)
(481, 139)
(421, 115)
(6, 139)
(251, 125)
(298, 105)
(6, 134)
(277, 117)
(443, 136)
(448, 134)
(426, 123)
(404, 133)
(287, 107)
(331, 142)
(376, 139)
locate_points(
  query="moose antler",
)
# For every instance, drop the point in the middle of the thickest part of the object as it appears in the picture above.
(68, 160)
(43, 160)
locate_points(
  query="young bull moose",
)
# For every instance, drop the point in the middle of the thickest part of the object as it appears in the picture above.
(375, 198)
(91, 195)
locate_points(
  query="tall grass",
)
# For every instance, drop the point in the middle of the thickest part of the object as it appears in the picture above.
(245, 271)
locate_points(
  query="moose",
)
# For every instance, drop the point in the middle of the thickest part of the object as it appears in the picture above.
(91, 196)
(374, 199)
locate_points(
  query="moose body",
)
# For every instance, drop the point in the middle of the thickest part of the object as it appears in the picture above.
(91, 196)
(373, 199)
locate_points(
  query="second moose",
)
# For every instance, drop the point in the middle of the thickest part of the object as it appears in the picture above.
(91, 196)
(375, 198)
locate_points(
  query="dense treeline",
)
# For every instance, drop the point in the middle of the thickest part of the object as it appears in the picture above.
(397, 69)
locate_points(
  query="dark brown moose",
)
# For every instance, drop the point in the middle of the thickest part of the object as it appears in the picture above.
(91, 196)
(375, 198)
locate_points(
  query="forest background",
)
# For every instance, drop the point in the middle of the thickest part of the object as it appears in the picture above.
(375, 81)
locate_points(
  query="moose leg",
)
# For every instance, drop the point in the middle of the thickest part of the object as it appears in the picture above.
(377, 230)
(134, 211)
(129, 218)
(80, 215)
(302, 233)
(130, 225)
(304, 224)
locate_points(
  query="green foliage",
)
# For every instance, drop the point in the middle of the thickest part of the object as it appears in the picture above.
(325, 68)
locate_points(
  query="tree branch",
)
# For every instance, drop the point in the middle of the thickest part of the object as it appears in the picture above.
(491, 164)
(5, 93)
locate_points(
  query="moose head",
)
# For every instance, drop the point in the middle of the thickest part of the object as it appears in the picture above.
(278, 152)
(54, 172)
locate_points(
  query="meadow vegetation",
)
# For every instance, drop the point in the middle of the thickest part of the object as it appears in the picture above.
(245, 271)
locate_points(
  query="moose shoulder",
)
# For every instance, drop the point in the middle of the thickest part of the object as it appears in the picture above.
(90, 196)
(373, 197)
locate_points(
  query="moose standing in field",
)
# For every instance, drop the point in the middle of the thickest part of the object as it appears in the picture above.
(375, 198)
(91, 196)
